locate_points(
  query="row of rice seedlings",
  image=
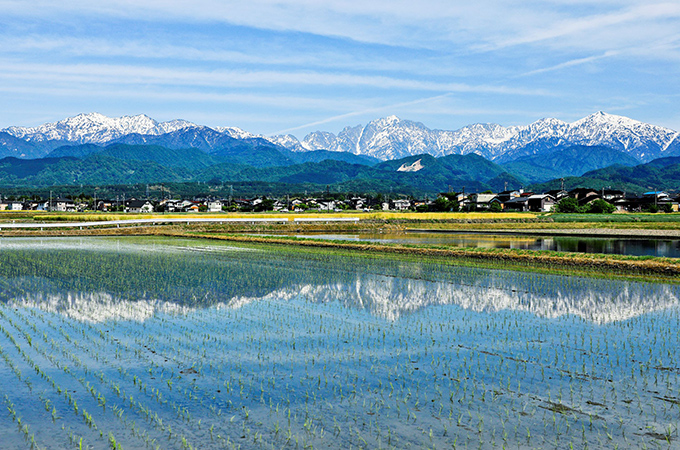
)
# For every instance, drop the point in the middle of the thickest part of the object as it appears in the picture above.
(195, 393)
(118, 411)
(22, 427)
(145, 411)
(138, 381)
(57, 390)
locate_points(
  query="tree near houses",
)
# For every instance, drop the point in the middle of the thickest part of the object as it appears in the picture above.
(600, 206)
(567, 205)
(570, 205)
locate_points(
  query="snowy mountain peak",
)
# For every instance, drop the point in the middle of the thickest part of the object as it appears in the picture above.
(601, 118)
(96, 128)
(235, 132)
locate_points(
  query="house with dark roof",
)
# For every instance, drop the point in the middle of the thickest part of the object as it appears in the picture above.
(139, 206)
(520, 203)
(558, 194)
(541, 202)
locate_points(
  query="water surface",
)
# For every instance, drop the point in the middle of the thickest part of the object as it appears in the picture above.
(669, 248)
(163, 343)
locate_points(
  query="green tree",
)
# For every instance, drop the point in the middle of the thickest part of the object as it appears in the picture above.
(266, 205)
(443, 204)
(651, 208)
(495, 207)
(600, 206)
(567, 205)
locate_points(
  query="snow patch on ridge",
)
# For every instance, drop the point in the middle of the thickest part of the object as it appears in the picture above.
(415, 167)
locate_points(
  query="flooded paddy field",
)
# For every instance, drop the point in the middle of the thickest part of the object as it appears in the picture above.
(179, 343)
(666, 248)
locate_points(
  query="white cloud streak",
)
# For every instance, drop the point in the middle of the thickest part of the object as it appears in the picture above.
(571, 63)
(103, 74)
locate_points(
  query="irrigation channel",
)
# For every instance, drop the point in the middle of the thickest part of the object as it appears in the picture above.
(148, 342)
(661, 247)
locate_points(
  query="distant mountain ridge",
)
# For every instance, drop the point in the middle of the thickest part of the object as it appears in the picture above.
(88, 164)
(544, 150)
(659, 174)
(385, 139)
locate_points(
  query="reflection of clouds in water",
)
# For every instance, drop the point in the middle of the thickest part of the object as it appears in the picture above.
(390, 298)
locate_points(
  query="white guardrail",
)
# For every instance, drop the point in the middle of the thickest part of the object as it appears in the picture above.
(160, 220)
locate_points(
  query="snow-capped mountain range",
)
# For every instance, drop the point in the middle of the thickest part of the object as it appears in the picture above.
(394, 138)
(386, 139)
(95, 128)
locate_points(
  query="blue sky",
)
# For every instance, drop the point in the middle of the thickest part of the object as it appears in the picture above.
(282, 66)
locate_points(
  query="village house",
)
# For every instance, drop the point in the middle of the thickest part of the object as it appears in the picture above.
(520, 203)
(357, 203)
(402, 204)
(139, 206)
(481, 201)
(326, 205)
(541, 202)
(584, 195)
(215, 206)
(507, 195)
(63, 205)
(14, 205)
(558, 194)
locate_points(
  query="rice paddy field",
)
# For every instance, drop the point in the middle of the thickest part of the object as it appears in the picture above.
(150, 342)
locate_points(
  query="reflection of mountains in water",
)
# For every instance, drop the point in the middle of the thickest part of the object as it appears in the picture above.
(388, 297)
(600, 302)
